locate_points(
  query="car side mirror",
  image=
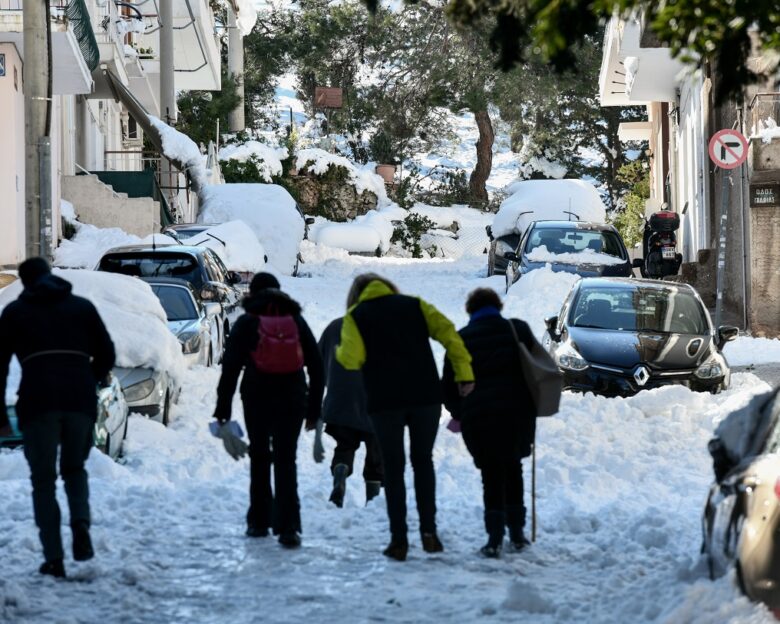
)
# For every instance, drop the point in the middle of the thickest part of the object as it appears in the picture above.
(212, 309)
(727, 333)
(489, 231)
(511, 256)
(551, 322)
(638, 263)
(309, 220)
(234, 278)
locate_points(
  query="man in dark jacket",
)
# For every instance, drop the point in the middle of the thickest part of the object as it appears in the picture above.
(275, 406)
(346, 418)
(387, 336)
(64, 351)
(498, 419)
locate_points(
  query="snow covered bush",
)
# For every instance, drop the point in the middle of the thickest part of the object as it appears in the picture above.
(251, 161)
(408, 235)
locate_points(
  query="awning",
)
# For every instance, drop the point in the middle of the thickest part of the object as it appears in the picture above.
(137, 111)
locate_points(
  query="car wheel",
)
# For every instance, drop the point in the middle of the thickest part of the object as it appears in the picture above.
(166, 410)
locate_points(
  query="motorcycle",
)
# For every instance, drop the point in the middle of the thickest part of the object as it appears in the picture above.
(659, 245)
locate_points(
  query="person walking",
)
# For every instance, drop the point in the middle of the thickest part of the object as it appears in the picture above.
(64, 351)
(386, 335)
(272, 343)
(497, 419)
(346, 420)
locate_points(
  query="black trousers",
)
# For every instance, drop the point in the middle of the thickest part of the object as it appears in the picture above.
(389, 427)
(42, 434)
(273, 439)
(348, 441)
(502, 485)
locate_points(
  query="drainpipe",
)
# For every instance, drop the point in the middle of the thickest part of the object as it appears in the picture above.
(236, 122)
(744, 189)
(169, 175)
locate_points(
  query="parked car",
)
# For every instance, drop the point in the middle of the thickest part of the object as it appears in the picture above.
(499, 247)
(148, 391)
(200, 266)
(195, 323)
(183, 231)
(618, 336)
(110, 427)
(741, 520)
(587, 249)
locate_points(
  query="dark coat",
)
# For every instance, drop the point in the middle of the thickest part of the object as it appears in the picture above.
(498, 416)
(264, 389)
(63, 348)
(345, 401)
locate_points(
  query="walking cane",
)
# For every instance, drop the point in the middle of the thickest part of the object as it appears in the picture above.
(533, 492)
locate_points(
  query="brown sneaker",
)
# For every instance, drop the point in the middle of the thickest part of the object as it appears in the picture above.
(431, 543)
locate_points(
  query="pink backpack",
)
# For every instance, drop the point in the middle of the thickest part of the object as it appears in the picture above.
(279, 348)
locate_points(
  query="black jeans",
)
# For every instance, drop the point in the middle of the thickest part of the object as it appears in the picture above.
(502, 484)
(348, 441)
(273, 438)
(42, 434)
(389, 426)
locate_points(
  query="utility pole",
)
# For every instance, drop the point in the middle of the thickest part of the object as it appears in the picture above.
(37, 103)
(236, 122)
(168, 98)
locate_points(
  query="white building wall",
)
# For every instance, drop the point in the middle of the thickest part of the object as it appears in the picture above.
(12, 233)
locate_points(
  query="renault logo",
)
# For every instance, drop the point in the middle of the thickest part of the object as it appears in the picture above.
(641, 375)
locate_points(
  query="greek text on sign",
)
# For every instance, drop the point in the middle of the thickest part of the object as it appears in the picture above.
(728, 149)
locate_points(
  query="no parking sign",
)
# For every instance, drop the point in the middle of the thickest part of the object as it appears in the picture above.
(728, 149)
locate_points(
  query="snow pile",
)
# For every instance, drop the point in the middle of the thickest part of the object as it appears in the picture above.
(586, 256)
(268, 209)
(132, 314)
(367, 233)
(235, 243)
(67, 211)
(534, 200)
(178, 147)
(538, 295)
(269, 159)
(318, 161)
(767, 130)
(745, 351)
(85, 249)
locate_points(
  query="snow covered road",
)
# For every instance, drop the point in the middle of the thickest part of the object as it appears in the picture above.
(621, 485)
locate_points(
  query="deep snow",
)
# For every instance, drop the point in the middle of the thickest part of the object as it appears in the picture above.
(621, 484)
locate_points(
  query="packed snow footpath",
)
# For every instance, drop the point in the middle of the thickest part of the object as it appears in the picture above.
(621, 484)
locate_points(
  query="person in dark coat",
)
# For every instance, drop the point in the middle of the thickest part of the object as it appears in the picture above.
(387, 336)
(346, 420)
(498, 419)
(275, 407)
(64, 351)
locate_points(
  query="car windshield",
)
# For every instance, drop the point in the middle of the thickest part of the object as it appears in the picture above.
(180, 266)
(573, 240)
(663, 310)
(183, 233)
(176, 301)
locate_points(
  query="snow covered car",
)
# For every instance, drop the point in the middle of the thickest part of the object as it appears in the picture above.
(587, 249)
(269, 210)
(616, 337)
(149, 391)
(741, 520)
(538, 200)
(110, 427)
(196, 324)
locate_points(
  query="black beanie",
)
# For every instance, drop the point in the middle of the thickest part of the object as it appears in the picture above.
(261, 281)
(30, 271)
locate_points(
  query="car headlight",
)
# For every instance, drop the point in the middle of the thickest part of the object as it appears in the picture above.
(190, 342)
(569, 358)
(139, 391)
(713, 368)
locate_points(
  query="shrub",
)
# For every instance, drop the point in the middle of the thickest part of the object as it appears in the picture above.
(409, 233)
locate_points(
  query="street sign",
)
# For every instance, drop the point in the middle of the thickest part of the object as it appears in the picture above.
(2, 65)
(728, 149)
(328, 97)
(765, 195)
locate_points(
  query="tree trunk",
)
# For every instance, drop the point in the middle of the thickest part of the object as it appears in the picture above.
(484, 157)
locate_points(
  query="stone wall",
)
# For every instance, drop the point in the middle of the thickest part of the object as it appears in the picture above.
(333, 199)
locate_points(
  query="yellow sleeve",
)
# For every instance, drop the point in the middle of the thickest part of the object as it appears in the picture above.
(443, 331)
(351, 352)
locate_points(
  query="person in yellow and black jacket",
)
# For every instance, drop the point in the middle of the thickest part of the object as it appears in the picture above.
(386, 335)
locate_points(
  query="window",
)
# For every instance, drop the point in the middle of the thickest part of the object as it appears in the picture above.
(180, 266)
(176, 301)
(216, 270)
(573, 240)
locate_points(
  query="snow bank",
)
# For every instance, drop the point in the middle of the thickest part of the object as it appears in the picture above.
(235, 243)
(533, 200)
(67, 211)
(745, 351)
(181, 148)
(767, 130)
(132, 314)
(352, 237)
(318, 161)
(270, 158)
(537, 295)
(586, 256)
(268, 209)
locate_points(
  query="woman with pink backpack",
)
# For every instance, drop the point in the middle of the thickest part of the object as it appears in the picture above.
(272, 344)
